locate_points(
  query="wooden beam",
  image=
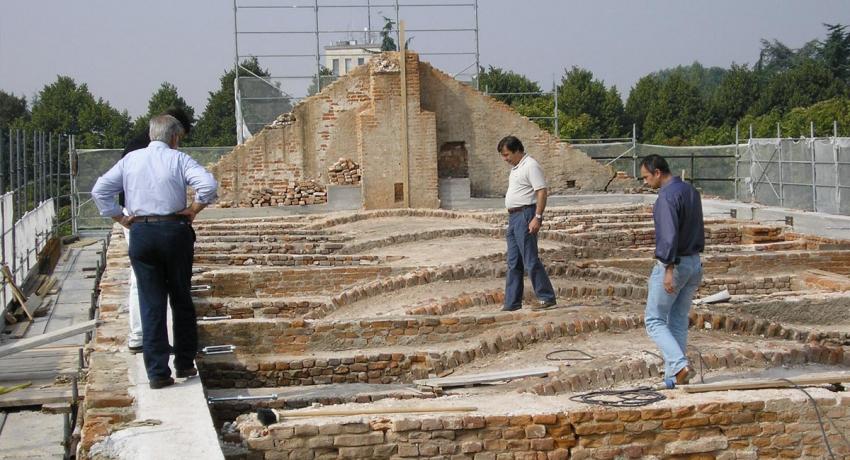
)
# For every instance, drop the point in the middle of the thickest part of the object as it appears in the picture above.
(472, 379)
(405, 149)
(26, 344)
(756, 384)
(36, 397)
(16, 291)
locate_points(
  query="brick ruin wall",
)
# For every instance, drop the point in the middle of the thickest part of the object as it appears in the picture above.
(735, 427)
(380, 145)
(466, 115)
(357, 117)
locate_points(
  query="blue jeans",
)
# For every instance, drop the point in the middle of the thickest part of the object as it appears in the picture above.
(522, 257)
(161, 254)
(667, 314)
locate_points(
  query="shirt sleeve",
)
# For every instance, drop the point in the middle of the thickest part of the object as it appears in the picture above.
(201, 180)
(535, 176)
(666, 230)
(107, 186)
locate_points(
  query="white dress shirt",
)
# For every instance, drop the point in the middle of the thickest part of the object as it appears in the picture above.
(154, 181)
(525, 179)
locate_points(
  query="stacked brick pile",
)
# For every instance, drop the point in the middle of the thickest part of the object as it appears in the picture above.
(296, 193)
(344, 172)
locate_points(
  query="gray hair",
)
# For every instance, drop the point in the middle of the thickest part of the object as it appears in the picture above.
(164, 127)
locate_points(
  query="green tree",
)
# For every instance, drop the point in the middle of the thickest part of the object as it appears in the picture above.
(217, 124)
(705, 79)
(835, 51)
(387, 41)
(579, 93)
(641, 97)
(677, 113)
(804, 84)
(12, 108)
(162, 99)
(535, 108)
(102, 126)
(65, 107)
(734, 96)
(326, 75)
(498, 80)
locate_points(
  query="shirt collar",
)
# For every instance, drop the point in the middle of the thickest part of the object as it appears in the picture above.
(673, 180)
(524, 157)
(159, 144)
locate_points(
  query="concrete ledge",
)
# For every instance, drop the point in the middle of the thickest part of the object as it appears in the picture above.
(343, 197)
(453, 190)
(169, 420)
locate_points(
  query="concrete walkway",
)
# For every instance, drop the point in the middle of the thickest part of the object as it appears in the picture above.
(172, 422)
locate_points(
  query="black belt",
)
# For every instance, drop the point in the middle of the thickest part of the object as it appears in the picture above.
(519, 208)
(168, 218)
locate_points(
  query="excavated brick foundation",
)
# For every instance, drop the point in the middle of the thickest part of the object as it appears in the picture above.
(346, 311)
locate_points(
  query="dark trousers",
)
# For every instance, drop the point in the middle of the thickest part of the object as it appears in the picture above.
(161, 254)
(522, 257)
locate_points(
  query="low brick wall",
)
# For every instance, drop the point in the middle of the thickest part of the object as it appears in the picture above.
(297, 260)
(267, 246)
(751, 285)
(281, 282)
(242, 308)
(258, 336)
(743, 425)
(750, 263)
(631, 238)
(251, 371)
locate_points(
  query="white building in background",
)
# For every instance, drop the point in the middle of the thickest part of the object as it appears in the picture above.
(345, 55)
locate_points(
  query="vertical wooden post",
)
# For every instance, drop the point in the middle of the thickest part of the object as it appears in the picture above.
(405, 153)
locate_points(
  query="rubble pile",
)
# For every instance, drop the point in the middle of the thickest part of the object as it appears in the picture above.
(344, 172)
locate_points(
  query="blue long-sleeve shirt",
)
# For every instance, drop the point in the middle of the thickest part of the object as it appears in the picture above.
(679, 227)
(154, 181)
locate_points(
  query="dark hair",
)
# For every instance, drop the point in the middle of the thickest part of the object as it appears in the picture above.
(180, 114)
(512, 143)
(654, 163)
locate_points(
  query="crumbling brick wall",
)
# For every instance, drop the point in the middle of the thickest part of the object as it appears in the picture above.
(358, 117)
(466, 115)
(380, 142)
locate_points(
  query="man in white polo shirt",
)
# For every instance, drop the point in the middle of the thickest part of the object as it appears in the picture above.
(525, 200)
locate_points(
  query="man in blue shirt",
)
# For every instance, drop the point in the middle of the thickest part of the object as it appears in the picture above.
(677, 274)
(154, 181)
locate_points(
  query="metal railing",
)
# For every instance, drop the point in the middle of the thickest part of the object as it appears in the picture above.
(34, 174)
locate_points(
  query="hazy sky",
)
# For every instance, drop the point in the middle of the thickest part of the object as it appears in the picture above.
(125, 49)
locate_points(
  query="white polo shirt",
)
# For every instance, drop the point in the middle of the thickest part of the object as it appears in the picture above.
(525, 179)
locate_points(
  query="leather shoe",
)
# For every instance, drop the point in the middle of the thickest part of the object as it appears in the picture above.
(136, 350)
(507, 308)
(544, 304)
(161, 383)
(186, 373)
(683, 377)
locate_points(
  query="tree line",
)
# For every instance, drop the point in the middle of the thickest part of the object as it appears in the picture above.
(685, 105)
(68, 107)
(696, 105)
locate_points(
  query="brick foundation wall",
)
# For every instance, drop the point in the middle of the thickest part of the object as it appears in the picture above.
(744, 425)
(299, 336)
(836, 261)
(264, 282)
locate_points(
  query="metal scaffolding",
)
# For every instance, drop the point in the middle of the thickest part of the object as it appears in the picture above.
(296, 63)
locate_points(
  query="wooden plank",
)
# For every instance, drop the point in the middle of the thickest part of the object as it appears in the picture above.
(755, 384)
(15, 291)
(36, 397)
(25, 344)
(472, 379)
